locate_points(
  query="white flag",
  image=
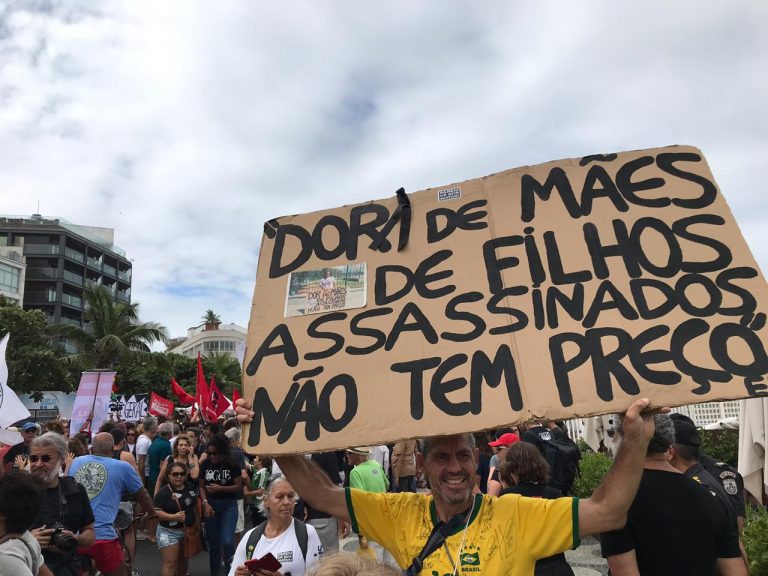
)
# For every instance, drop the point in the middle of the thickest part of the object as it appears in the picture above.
(11, 408)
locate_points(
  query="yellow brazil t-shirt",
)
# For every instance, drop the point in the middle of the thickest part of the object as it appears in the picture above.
(504, 536)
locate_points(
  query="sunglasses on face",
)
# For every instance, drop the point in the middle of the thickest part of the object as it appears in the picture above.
(178, 474)
(44, 458)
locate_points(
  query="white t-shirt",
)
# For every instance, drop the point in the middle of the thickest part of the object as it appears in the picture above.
(285, 548)
(142, 447)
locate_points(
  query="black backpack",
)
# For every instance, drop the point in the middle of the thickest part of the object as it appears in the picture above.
(301, 535)
(563, 457)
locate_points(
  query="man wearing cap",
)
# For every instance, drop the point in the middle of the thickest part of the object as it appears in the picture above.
(502, 444)
(453, 529)
(366, 474)
(685, 456)
(672, 526)
(28, 433)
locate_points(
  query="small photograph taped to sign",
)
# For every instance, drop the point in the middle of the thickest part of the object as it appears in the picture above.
(326, 289)
(449, 194)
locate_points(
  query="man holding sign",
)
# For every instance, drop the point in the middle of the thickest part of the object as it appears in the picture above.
(453, 529)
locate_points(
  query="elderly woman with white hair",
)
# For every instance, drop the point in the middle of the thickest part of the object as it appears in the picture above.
(295, 545)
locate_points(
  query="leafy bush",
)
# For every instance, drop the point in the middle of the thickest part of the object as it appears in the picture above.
(583, 446)
(722, 445)
(593, 468)
(755, 537)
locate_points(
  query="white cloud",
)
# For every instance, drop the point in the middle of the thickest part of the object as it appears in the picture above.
(186, 125)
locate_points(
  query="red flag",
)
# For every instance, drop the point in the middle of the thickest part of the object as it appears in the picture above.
(183, 396)
(201, 390)
(218, 403)
(159, 406)
(235, 396)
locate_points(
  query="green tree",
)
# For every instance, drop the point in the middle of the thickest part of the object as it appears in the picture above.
(33, 365)
(112, 333)
(144, 377)
(225, 368)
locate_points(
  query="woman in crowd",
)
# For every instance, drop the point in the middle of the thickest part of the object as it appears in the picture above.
(279, 536)
(182, 452)
(175, 504)
(524, 471)
(130, 439)
(221, 484)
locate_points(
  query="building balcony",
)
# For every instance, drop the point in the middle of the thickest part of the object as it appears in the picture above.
(93, 263)
(43, 274)
(70, 321)
(123, 296)
(37, 296)
(42, 249)
(71, 300)
(72, 277)
(124, 275)
(74, 255)
(107, 269)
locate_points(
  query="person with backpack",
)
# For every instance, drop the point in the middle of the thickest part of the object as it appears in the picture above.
(293, 543)
(561, 453)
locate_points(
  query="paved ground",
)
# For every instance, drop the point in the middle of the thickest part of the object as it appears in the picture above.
(585, 560)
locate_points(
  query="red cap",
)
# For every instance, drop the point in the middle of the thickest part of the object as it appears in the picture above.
(506, 439)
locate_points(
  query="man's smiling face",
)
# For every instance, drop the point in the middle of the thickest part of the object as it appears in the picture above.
(450, 466)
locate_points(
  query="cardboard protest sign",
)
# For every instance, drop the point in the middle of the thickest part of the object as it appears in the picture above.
(559, 290)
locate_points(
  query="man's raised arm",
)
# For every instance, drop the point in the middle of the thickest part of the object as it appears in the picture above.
(607, 508)
(314, 486)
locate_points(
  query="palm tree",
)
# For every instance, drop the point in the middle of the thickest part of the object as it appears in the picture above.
(112, 332)
(225, 368)
(211, 320)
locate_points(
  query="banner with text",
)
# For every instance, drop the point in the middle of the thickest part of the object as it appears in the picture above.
(560, 290)
(128, 408)
(91, 406)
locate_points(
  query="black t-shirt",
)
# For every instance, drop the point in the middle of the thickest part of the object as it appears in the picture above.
(330, 465)
(16, 450)
(675, 527)
(698, 473)
(187, 499)
(222, 474)
(71, 507)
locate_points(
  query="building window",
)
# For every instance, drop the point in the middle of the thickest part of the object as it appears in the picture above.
(212, 346)
(9, 278)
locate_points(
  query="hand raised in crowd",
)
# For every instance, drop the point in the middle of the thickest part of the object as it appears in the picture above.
(68, 460)
(21, 462)
(637, 421)
(243, 411)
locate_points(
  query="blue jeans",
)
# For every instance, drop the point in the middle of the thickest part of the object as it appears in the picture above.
(220, 532)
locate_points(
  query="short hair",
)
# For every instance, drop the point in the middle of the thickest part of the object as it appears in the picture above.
(233, 434)
(194, 430)
(117, 435)
(229, 423)
(54, 439)
(55, 426)
(103, 444)
(663, 435)
(266, 461)
(150, 424)
(108, 426)
(165, 430)
(21, 495)
(469, 438)
(75, 446)
(525, 461)
(688, 453)
(339, 564)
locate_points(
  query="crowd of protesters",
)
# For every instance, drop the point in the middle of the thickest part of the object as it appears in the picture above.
(187, 486)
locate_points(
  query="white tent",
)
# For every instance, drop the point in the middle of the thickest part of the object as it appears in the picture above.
(596, 429)
(753, 445)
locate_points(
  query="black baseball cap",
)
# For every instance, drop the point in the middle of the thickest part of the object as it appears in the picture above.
(677, 416)
(686, 433)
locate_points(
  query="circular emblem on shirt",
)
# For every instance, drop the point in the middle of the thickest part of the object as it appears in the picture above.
(730, 486)
(93, 476)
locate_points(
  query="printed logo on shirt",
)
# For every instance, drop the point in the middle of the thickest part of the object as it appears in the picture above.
(222, 476)
(93, 476)
(285, 557)
(730, 486)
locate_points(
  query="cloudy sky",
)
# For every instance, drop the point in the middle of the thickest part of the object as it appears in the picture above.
(185, 125)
